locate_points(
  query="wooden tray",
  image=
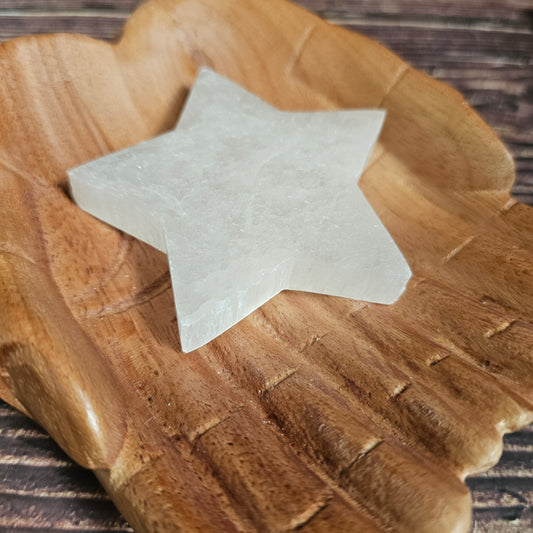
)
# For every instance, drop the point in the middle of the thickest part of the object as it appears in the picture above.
(314, 413)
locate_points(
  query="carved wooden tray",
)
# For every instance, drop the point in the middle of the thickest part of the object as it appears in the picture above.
(314, 413)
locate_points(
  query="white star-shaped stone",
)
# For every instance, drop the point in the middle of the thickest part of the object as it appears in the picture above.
(247, 201)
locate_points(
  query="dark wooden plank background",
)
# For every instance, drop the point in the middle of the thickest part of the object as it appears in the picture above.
(484, 48)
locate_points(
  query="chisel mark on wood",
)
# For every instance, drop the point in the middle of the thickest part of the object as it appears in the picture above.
(357, 308)
(436, 359)
(371, 445)
(499, 329)
(415, 281)
(507, 206)
(211, 424)
(456, 250)
(402, 70)
(272, 383)
(306, 516)
(316, 339)
(400, 389)
(300, 48)
(312, 342)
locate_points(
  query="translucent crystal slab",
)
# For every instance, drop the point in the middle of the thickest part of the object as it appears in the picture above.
(247, 201)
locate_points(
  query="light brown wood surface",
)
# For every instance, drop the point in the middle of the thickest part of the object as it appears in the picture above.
(315, 412)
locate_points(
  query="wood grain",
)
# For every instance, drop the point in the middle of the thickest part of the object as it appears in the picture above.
(518, 508)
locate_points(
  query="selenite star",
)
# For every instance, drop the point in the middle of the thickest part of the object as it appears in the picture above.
(247, 201)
